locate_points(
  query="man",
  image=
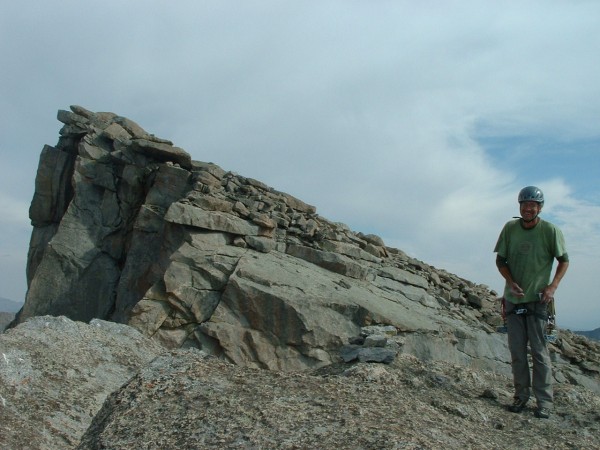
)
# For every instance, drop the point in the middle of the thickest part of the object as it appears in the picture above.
(526, 250)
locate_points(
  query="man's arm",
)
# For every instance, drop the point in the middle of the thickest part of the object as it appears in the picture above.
(504, 270)
(561, 269)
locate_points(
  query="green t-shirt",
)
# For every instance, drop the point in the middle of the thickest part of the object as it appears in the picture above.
(530, 254)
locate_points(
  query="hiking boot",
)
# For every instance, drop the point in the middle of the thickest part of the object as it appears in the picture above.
(542, 413)
(517, 406)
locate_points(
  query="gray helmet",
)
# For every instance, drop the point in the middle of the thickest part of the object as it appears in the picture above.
(531, 194)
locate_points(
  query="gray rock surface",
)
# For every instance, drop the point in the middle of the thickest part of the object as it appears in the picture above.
(184, 399)
(55, 375)
(66, 385)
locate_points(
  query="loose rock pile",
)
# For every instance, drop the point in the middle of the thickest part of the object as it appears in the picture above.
(371, 346)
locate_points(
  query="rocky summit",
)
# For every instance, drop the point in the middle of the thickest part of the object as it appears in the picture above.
(293, 329)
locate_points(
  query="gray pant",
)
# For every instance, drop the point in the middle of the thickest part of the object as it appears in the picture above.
(521, 330)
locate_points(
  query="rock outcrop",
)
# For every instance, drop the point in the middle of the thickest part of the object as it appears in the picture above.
(128, 228)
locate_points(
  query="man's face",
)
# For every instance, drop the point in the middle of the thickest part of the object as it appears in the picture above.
(529, 210)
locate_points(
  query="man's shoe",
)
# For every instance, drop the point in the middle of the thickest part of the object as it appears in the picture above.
(517, 406)
(542, 413)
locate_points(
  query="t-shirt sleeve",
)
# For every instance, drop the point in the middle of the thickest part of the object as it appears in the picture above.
(501, 244)
(560, 247)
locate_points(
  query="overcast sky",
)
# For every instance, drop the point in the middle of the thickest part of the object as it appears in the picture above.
(416, 121)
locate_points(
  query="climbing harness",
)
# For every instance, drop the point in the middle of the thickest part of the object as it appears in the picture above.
(551, 333)
(521, 310)
(503, 328)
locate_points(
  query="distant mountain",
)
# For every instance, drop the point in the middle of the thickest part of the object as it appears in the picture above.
(5, 319)
(594, 334)
(10, 306)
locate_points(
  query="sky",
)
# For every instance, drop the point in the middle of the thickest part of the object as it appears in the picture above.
(416, 121)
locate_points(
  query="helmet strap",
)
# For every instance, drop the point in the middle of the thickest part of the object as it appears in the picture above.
(526, 221)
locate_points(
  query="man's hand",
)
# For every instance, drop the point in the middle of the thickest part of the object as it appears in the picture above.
(547, 294)
(516, 290)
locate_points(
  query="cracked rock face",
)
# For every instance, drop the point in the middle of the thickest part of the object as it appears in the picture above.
(128, 228)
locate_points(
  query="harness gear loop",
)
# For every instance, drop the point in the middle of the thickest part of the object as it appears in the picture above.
(522, 310)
